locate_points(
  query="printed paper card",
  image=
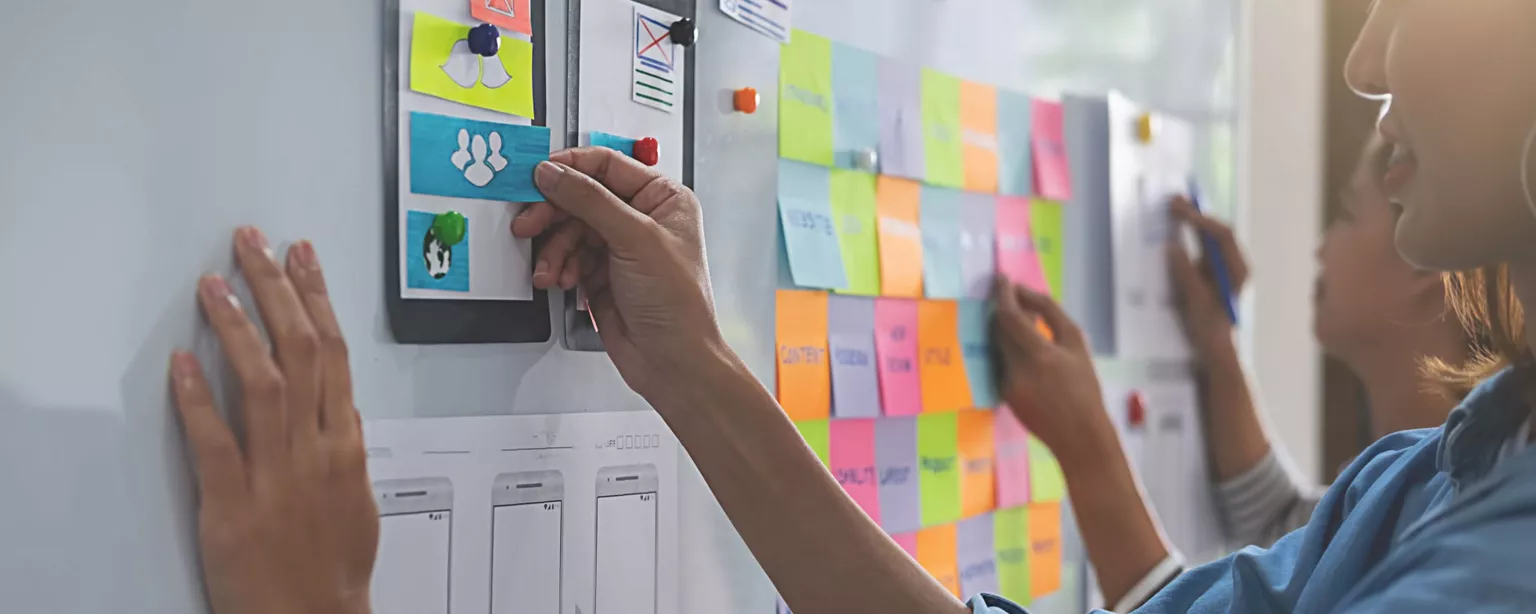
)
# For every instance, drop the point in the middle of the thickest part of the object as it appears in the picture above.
(978, 126)
(1012, 464)
(896, 337)
(937, 553)
(1016, 256)
(943, 150)
(1015, 161)
(805, 99)
(1010, 534)
(901, 238)
(901, 120)
(851, 337)
(853, 463)
(657, 74)
(854, 211)
(940, 219)
(1053, 172)
(1044, 548)
(443, 66)
(810, 235)
(466, 158)
(771, 18)
(856, 103)
(945, 385)
(975, 447)
(938, 468)
(896, 462)
(804, 380)
(505, 14)
(976, 556)
(442, 266)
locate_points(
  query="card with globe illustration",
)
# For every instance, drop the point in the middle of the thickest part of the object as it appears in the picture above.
(440, 251)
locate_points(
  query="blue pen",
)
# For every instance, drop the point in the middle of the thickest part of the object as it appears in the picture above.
(1213, 254)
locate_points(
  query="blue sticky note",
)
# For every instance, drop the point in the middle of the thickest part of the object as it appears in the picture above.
(978, 243)
(896, 465)
(615, 142)
(855, 103)
(975, 345)
(810, 235)
(851, 341)
(466, 158)
(430, 265)
(939, 216)
(1016, 170)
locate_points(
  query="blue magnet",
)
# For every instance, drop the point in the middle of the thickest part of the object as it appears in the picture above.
(485, 40)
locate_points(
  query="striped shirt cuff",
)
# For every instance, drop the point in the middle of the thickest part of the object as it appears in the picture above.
(992, 604)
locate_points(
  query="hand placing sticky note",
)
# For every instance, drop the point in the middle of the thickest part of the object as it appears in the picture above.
(978, 243)
(975, 447)
(854, 212)
(805, 99)
(804, 380)
(938, 467)
(896, 463)
(1046, 482)
(853, 463)
(443, 66)
(976, 555)
(946, 387)
(1044, 548)
(817, 434)
(943, 150)
(1012, 464)
(851, 340)
(901, 238)
(978, 129)
(1053, 172)
(976, 346)
(937, 551)
(1016, 168)
(897, 356)
(1016, 256)
(810, 235)
(901, 120)
(940, 218)
(1010, 535)
(1046, 222)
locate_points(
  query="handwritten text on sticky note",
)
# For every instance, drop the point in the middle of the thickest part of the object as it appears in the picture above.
(804, 379)
(897, 358)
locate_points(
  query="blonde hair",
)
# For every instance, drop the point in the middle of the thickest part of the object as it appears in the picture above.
(1494, 320)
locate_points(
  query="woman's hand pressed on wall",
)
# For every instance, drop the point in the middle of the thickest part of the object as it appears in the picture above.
(287, 521)
(1199, 299)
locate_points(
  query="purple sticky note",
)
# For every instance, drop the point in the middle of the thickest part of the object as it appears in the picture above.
(901, 120)
(851, 335)
(976, 556)
(1011, 447)
(853, 463)
(978, 253)
(896, 465)
(901, 392)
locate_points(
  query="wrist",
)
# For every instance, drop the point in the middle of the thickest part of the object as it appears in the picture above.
(1093, 451)
(1217, 350)
(699, 377)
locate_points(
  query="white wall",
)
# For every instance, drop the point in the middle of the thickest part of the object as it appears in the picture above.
(1280, 178)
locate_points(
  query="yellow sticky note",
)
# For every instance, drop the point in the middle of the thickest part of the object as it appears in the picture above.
(854, 198)
(977, 449)
(901, 239)
(941, 365)
(805, 380)
(1010, 536)
(938, 554)
(1044, 549)
(818, 435)
(443, 66)
(1046, 482)
(805, 99)
(1046, 221)
(978, 130)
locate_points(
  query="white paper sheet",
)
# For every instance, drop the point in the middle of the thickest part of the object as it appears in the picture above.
(1175, 470)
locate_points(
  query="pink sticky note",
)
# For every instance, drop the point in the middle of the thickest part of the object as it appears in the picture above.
(853, 463)
(901, 392)
(1012, 462)
(1053, 173)
(908, 542)
(1017, 259)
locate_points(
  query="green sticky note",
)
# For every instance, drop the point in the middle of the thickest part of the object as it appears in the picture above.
(938, 467)
(818, 434)
(805, 99)
(1010, 538)
(943, 150)
(1046, 483)
(1045, 222)
(854, 210)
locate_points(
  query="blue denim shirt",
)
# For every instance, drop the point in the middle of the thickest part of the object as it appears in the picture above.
(1423, 521)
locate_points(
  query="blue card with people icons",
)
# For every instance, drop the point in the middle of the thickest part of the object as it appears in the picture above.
(466, 158)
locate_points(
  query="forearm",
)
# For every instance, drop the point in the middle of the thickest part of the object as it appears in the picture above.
(1236, 435)
(822, 553)
(1123, 538)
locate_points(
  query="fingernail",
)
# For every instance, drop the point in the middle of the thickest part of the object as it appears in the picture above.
(253, 239)
(541, 269)
(183, 367)
(304, 255)
(215, 289)
(547, 174)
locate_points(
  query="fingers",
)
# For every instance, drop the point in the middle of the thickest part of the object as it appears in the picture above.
(556, 251)
(1186, 276)
(621, 174)
(216, 457)
(1061, 325)
(288, 326)
(1226, 240)
(535, 219)
(1015, 325)
(266, 430)
(584, 198)
(336, 413)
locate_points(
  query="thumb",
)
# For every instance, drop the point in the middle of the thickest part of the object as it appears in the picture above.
(1186, 277)
(619, 224)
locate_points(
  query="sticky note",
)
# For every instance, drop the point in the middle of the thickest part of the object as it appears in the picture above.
(946, 387)
(1015, 162)
(853, 463)
(901, 238)
(436, 266)
(805, 99)
(943, 151)
(976, 555)
(1045, 221)
(855, 103)
(1010, 535)
(855, 216)
(940, 220)
(1012, 459)
(976, 347)
(897, 357)
(443, 66)
(978, 134)
(851, 340)
(1044, 548)
(901, 120)
(623, 145)
(1016, 256)
(896, 463)
(466, 158)
(818, 435)
(975, 447)
(938, 461)
(810, 235)
(908, 543)
(937, 552)
(804, 381)
(505, 14)
(1046, 483)
(655, 72)
(978, 244)
(1053, 173)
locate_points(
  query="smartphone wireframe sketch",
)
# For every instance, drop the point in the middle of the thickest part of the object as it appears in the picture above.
(415, 543)
(526, 534)
(625, 581)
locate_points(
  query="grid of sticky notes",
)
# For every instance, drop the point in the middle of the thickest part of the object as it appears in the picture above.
(902, 193)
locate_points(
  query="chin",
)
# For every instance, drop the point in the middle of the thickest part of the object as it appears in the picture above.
(1436, 247)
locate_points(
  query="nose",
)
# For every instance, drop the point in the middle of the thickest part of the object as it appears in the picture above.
(1365, 69)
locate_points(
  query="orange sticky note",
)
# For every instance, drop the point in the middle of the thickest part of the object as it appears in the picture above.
(804, 379)
(938, 553)
(941, 365)
(978, 131)
(901, 239)
(976, 448)
(1044, 549)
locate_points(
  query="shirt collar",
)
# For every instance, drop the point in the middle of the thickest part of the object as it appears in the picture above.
(1478, 428)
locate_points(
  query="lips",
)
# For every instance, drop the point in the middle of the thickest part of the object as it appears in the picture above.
(1400, 171)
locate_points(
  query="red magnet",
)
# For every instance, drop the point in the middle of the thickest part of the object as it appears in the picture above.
(648, 151)
(746, 100)
(1136, 411)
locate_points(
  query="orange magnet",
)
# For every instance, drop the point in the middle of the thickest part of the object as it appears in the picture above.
(746, 100)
